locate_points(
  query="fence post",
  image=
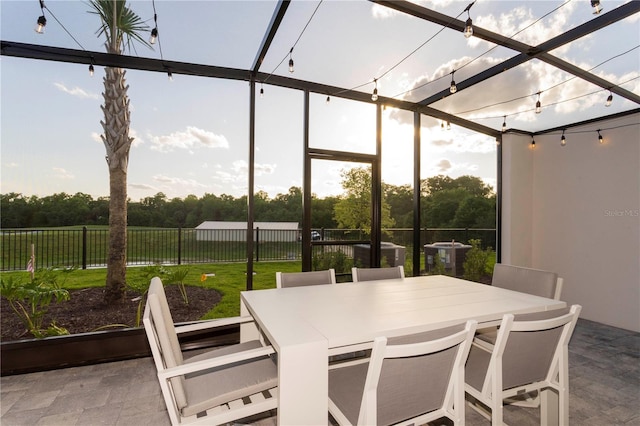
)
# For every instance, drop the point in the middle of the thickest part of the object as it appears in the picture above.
(180, 246)
(84, 247)
(257, 244)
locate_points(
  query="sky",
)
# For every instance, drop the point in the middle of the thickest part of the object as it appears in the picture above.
(191, 133)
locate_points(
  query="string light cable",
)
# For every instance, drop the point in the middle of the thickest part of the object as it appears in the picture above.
(44, 7)
(486, 52)
(288, 55)
(551, 104)
(556, 85)
(408, 56)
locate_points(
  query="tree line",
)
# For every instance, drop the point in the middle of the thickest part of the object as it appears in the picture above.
(464, 202)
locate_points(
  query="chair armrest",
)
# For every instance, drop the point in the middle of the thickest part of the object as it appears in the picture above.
(215, 362)
(205, 324)
(350, 348)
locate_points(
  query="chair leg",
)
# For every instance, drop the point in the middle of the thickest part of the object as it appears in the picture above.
(497, 412)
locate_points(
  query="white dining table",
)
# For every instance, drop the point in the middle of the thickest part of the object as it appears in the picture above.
(307, 324)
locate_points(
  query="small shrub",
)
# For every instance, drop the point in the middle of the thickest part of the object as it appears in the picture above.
(475, 264)
(30, 301)
(333, 259)
(438, 265)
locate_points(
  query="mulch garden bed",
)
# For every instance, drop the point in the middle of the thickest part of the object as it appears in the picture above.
(85, 311)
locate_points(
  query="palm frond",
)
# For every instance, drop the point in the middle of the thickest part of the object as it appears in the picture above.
(129, 26)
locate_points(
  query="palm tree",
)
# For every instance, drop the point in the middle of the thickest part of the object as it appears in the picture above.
(121, 27)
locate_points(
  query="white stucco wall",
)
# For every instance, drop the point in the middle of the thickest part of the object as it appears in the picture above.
(576, 210)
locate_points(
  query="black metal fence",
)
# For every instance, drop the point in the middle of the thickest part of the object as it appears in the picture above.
(88, 248)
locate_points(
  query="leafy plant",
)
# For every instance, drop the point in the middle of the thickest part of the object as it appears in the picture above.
(30, 301)
(177, 276)
(475, 264)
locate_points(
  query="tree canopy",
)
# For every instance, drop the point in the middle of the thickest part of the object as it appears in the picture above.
(465, 202)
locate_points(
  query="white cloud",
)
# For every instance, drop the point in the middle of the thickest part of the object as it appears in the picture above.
(143, 187)
(241, 167)
(190, 138)
(61, 173)
(76, 91)
(445, 166)
(515, 20)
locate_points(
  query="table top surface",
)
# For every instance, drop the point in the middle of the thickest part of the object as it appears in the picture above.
(351, 313)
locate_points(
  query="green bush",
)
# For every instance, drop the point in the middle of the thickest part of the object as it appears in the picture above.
(475, 264)
(333, 259)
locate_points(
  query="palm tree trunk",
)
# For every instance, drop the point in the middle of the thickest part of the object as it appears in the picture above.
(117, 260)
(117, 143)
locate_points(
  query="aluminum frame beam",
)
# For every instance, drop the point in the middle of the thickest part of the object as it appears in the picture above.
(527, 52)
(274, 25)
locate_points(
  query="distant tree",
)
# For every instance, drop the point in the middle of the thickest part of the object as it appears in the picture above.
(400, 200)
(471, 184)
(464, 202)
(353, 210)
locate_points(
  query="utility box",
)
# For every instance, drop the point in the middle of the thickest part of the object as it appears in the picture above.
(392, 253)
(452, 256)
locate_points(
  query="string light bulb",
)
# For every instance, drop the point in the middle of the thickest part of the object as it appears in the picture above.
(504, 124)
(453, 88)
(563, 139)
(91, 70)
(154, 36)
(596, 7)
(468, 27)
(42, 22)
(533, 143)
(290, 61)
(609, 99)
(328, 100)
(374, 95)
(261, 91)
(448, 125)
(600, 138)
(170, 75)
(538, 105)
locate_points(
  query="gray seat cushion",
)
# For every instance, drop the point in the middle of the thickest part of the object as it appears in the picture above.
(208, 388)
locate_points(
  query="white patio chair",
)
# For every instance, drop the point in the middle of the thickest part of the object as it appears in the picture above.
(372, 274)
(214, 387)
(297, 279)
(411, 379)
(531, 354)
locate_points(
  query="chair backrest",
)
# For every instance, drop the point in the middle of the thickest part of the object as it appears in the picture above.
(531, 347)
(372, 274)
(298, 279)
(412, 375)
(162, 336)
(527, 280)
